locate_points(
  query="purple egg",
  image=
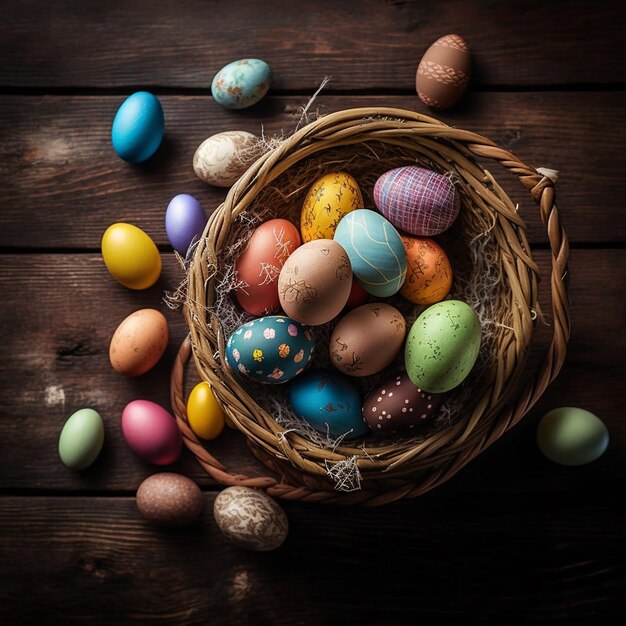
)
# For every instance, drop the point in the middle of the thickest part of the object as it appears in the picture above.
(184, 222)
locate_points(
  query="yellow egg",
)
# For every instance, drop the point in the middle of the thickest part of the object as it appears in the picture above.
(204, 414)
(327, 201)
(131, 256)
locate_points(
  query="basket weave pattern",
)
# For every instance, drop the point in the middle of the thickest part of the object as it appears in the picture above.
(390, 469)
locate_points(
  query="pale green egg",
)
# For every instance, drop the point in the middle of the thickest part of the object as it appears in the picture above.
(442, 346)
(572, 436)
(81, 439)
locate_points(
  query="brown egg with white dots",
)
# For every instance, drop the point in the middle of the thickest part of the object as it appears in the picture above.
(398, 406)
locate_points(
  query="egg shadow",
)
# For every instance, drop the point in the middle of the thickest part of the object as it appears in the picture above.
(163, 161)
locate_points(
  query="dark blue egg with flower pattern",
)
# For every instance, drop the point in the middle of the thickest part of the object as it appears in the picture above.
(270, 349)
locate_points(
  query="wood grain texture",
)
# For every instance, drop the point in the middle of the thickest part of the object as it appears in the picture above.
(60, 313)
(61, 184)
(363, 44)
(553, 561)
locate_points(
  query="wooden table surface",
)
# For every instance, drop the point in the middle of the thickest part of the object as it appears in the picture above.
(513, 538)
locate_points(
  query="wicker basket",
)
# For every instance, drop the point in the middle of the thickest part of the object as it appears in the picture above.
(389, 469)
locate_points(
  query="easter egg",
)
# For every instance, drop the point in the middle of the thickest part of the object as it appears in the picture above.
(139, 342)
(367, 339)
(328, 200)
(151, 432)
(259, 265)
(169, 499)
(184, 222)
(357, 297)
(375, 251)
(429, 274)
(270, 349)
(315, 282)
(204, 414)
(572, 436)
(442, 346)
(329, 402)
(444, 72)
(81, 439)
(250, 519)
(131, 256)
(398, 406)
(222, 158)
(417, 200)
(138, 126)
(241, 84)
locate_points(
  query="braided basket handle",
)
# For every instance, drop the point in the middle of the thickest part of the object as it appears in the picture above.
(540, 183)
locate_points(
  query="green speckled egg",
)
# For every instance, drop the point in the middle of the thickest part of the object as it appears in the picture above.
(442, 346)
(572, 436)
(81, 439)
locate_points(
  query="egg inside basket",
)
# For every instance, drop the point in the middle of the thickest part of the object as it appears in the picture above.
(494, 273)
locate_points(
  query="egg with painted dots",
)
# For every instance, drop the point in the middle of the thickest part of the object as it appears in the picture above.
(442, 346)
(398, 406)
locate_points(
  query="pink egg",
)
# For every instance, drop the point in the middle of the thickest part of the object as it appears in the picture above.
(151, 432)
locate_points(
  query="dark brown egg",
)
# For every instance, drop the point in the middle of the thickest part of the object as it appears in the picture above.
(399, 406)
(169, 499)
(444, 72)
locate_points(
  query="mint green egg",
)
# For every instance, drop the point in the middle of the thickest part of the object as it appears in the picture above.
(572, 436)
(442, 346)
(81, 439)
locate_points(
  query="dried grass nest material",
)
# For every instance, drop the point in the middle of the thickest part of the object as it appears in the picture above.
(494, 272)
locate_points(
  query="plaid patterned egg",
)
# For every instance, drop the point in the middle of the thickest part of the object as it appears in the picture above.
(417, 200)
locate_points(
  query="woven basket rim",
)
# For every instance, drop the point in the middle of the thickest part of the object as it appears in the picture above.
(298, 469)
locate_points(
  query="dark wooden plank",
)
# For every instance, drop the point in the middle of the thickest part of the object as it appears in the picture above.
(557, 561)
(363, 44)
(61, 310)
(62, 184)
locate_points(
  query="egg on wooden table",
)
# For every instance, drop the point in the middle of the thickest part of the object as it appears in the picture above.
(169, 499)
(241, 84)
(375, 251)
(329, 199)
(442, 346)
(204, 414)
(138, 127)
(131, 256)
(416, 200)
(184, 222)
(151, 432)
(315, 282)
(250, 519)
(81, 439)
(329, 402)
(367, 339)
(259, 265)
(270, 350)
(139, 342)
(444, 72)
(223, 158)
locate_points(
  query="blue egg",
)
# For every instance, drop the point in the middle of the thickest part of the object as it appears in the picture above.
(375, 250)
(270, 349)
(138, 126)
(329, 402)
(184, 222)
(241, 84)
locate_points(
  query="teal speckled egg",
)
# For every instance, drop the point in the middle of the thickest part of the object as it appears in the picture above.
(572, 436)
(270, 349)
(442, 346)
(375, 250)
(241, 84)
(81, 439)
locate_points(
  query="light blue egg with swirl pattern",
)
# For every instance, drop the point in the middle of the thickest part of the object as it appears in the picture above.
(241, 84)
(375, 250)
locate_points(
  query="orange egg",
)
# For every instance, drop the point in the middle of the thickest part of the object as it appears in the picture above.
(429, 274)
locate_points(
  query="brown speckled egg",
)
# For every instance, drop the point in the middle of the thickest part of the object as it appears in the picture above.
(444, 72)
(367, 339)
(399, 406)
(169, 499)
(250, 519)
